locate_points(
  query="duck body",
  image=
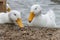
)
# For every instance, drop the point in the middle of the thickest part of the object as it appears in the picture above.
(11, 17)
(4, 18)
(41, 20)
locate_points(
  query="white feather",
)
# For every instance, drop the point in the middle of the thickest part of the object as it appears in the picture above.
(43, 20)
(7, 17)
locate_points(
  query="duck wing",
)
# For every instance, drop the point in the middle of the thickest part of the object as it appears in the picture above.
(51, 14)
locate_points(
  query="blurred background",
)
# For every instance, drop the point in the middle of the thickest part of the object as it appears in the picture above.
(24, 7)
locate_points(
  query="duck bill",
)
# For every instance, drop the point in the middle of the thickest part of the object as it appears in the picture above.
(8, 9)
(19, 22)
(31, 16)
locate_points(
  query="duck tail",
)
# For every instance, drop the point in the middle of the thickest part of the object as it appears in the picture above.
(51, 14)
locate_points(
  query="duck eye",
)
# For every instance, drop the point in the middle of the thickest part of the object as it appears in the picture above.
(35, 8)
(15, 14)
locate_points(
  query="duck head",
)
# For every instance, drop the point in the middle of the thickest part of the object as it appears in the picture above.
(35, 11)
(15, 16)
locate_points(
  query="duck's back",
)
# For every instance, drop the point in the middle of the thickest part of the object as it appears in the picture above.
(49, 19)
(4, 18)
(51, 14)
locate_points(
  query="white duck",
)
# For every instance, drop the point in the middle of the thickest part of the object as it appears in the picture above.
(36, 18)
(11, 17)
(8, 8)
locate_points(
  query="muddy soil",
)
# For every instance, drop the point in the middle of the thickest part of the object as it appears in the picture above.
(13, 32)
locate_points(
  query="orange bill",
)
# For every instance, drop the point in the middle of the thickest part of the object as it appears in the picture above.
(19, 22)
(31, 16)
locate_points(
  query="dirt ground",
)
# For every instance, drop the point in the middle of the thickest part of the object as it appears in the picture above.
(13, 32)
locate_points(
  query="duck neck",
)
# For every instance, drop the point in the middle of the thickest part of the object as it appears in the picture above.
(10, 18)
(38, 14)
